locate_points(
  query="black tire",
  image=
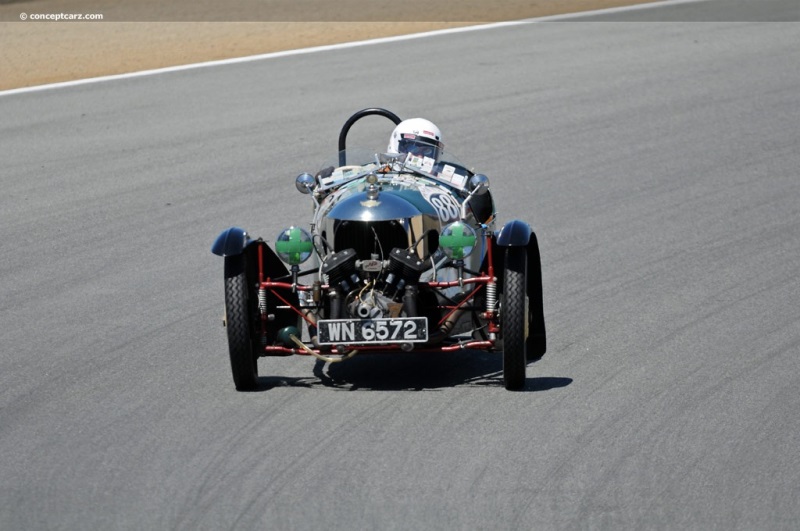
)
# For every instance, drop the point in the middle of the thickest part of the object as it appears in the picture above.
(514, 316)
(239, 319)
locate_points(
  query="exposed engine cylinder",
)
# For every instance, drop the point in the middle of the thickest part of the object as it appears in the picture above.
(341, 270)
(405, 268)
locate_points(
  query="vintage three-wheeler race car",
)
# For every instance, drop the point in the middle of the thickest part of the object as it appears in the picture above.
(402, 254)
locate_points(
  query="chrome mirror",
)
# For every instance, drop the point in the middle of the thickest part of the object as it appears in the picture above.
(478, 184)
(305, 183)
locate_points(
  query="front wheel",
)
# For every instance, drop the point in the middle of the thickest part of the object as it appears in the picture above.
(239, 324)
(514, 318)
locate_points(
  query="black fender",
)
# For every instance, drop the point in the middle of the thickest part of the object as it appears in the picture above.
(231, 242)
(537, 337)
(235, 241)
(518, 234)
(515, 233)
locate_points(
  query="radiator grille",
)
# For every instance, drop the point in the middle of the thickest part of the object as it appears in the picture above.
(361, 236)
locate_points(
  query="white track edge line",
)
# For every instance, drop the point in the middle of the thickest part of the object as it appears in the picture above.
(341, 46)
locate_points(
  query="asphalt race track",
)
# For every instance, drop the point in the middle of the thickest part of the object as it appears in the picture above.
(657, 161)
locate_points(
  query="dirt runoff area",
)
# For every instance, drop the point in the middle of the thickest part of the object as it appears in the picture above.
(49, 41)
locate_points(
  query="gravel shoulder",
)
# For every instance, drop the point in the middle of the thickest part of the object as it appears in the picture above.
(144, 34)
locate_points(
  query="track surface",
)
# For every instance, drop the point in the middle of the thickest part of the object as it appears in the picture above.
(658, 164)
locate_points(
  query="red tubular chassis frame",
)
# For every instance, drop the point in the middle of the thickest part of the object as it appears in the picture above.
(265, 285)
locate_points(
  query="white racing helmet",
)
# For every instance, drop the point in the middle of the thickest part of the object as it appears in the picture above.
(417, 136)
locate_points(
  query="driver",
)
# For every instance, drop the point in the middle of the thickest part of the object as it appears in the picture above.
(421, 138)
(417, 136)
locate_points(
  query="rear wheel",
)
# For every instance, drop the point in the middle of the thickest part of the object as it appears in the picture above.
(239, 324)
(514, 316)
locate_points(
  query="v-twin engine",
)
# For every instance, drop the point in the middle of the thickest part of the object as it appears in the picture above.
(374, 288)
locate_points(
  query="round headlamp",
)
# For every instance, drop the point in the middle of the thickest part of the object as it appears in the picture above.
(457, 240)
(294, 245)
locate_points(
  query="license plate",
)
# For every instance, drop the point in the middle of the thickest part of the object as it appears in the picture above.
(360, 331)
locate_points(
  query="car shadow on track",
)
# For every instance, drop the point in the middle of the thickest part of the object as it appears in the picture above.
(413, 372)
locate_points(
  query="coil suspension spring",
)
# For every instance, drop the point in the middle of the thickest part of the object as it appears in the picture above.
(262, 310)
(262, 301)
(491, 296)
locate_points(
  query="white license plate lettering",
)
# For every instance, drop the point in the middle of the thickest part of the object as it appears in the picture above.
(368, 331)
(355, 331)
(381, 330)
(410, 329)
(398, 325)
(342, 331)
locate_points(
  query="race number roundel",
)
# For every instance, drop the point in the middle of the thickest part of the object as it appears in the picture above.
(447, 208)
